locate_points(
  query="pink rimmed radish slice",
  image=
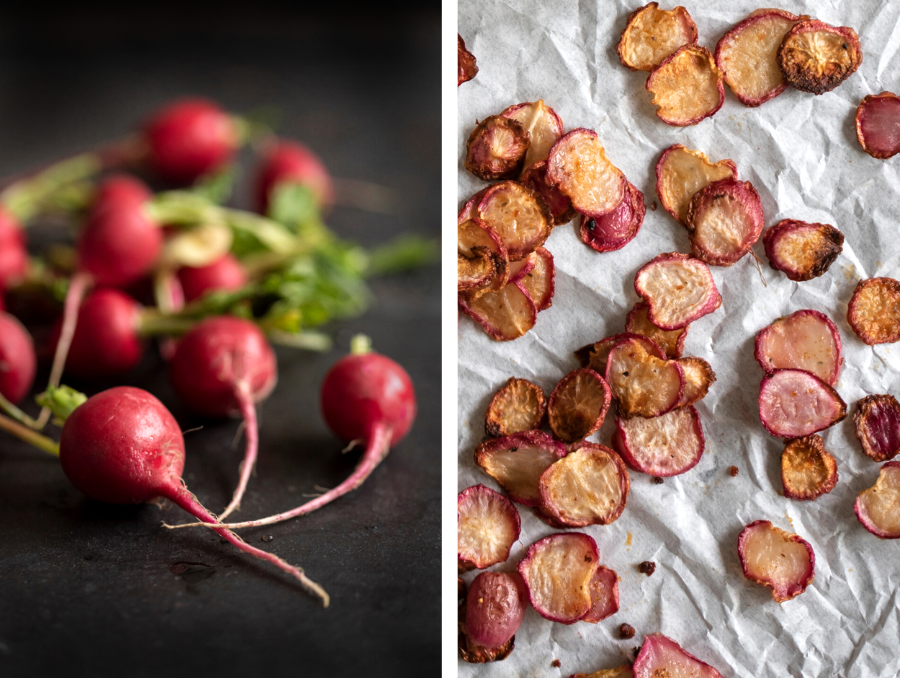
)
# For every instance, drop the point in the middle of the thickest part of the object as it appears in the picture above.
(615, 229)
(516, 462)
(698, 378)
(681, 172)
(487, 527)
(878, 508)
(782, 561)
(802, 251)
(643, 384)
(725, 219)
(504, 315)
(805, 340)
(495, 607)
(687, 86)
(678, 290)
(794, 403)
(578, 167)
(662, 657)
(877, 423)
(517, 214)
(878, 125)
(542, 123)
(637, 322)
(663, 446)
(578, 405)
(651, 34)
(538, 283)
(595, 355)
(604, 595)
(558, 203)
(623, 671)
(496, 148)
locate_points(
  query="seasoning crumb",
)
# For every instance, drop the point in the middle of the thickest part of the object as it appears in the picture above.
(653, 206)
(636, 651)
(648, 567)
(626, 631)
(734, 471)
(555, 664)
(657, 480)
(267, 538)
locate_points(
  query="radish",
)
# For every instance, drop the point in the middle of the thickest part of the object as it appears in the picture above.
(226, 274)
(13, 255)
(290, 162)
(17, 359)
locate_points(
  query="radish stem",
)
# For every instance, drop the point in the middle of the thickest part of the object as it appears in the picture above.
(24, 433)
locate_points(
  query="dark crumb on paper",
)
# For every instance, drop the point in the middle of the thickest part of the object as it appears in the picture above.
(733, 471)
(648, 567)
(657, 480)
(653, 206)
(626, 631)
(555, 663)
(636, 651)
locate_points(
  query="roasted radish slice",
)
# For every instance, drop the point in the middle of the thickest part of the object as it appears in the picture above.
(465, 62)
(519, 269)
(495, 607)
(496, 148)
(578, 405)
(672, 342)
(687, 86)
(504, 315)
(604, 595)
(804, 340)
(878, 125)
(643, 384)
(794, 403)
(543, 125)
(802, 251)
(815, 57)
(595, 355)
(651, 34)
(589, 486)
(681, 172)
(807, 469)
(518, 216)
(662, 657)
(698, 377)
(559, 205)
(874, 311)
(877, 422)
(618, 672)
(557, 572)
(780, 560)
(748, 55)
(614, 230)
(516, 462)
(487, 527)
(517, 407)
(725, 219)
(579, 168)
(481, 257)
(538, 282)
(678, 290)
(663, 446)
(878, 508)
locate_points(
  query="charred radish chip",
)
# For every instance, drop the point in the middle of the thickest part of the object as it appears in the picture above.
(538, 282)
(481, 257)
(557, 572)
(807, 469)
(588, 486)
(604, 595)
(672, 342)
(681, 172)
(465, 61)
(780, 560)
(725, 219)
(487, 526)
(543, 125)
(795, 403)
(559, 205)
(578, 405)
(678, 290)
(687, 86)
(618, 672)
(496, 148)
(662, 657)
(495, 607)
(613, 230)
(878, 125)
(698, 377)
(805, 340)
(517, 407)
(802, 251)
(874, 311)
(663, 446)
(518, 215)
(815, 57)
(504, 315)
(651, 34)
(579, 168)
(643, 384)
(516, 462)
(595, 355)
(877, 422)
(878, 508)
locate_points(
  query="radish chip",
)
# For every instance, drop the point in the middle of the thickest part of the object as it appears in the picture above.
(678, 290)
(618, 672)
(698, 377)
(874, 311)
(802, 251)
(804, 340)
(519, 269)
(662, 446)
(538, 282)
(794, 403)
(516, 462)
(613, 230)
(504, 315)
(543, 125)
(662, 657)
(681, 172)
(517, 214)
(643, 384)
(671, 341)
(807, 469)
(815, 57)
(482, 261)
(725, 219)
(878, 508)
(651, 34)
(557, 572)
(877, 422)
(578, 166)
(487, 527)
(878, 125)
(687, 86)
(496, 148)
(495, 607)
(780, 560)
(578, 405)
(604, 595)
(517, 407)
(559, 205)
(465, 62)
(595, 355)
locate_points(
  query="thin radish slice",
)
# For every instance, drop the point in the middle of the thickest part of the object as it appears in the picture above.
(482, 260)
(877, 422)
(815, 57)
(557, 573)
(604, 595)
(670, 341)
(539, 281)
(687, 86)
(465, 62)
(558, 203)
(516, 462)
(662, 446)
(578, 166)
(807, 469)
(678, 289)
(496, 148)
(794, 403)
(518, 215)
(878, 125)
(698, 377)
(782, 561)
(495, 607)
(487, 527)
(801, 250)
(874, 311)
(542, 123)
(470, 209)
(618, 672)
(725, 219)
(518, 406)
(681, 172)
(504, 315)
(662, 657)
(805, 340)
(878, 508)
(613, 230)
(578, 405)
(595, 355)
(651, 34)
(643, 384)
(519, 269)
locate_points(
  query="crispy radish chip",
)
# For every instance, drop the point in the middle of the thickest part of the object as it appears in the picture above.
(807, 469)
(517, 214)
(698, 377)
(815, 57)
(504, 315)
(681, 172)
(613, 230)
(804, 340)
(543, 125)
(519, 269)
(725, 219)
(878, 508)
(878, 125)
(496, 148)
(559, 205)
(589, 486)
(604, 595)
(517, 407)
(637, 322)
(538, 282)
(618, 672)
(643, 384)
(678, 290)
(516, 462)
(482, 260)
(795, 403)
(874, 311)
(578, 166)
(877, 422)
(487, 527)
(687, 86)
(465, 62)
(651, 34)
(595, 355)
(662, 657)
(557, 572)
(578, 405)
(780, 560)
(663, 446)
(801, 250)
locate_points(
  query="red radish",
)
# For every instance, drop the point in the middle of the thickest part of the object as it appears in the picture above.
(121, 190)
(13, 255)
(226, 274)
(17, 359)
(290, 162)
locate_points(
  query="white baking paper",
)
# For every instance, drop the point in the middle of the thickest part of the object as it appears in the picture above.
(801, 153)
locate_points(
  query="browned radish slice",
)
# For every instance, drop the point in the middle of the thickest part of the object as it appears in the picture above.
(504, 315)
(804, 340)
(595, 355)
(748, 55)
(662, 657)
(878, 508)
(794, 403)
(518, 406)
(725, 219)
(807, 469)
(482, 260)
(780, 560)
(613, 230)
(637, 322)
(487, 527)
(495, 607)
(465, 62)
(662, 446)
(559, 205)
(470, 209)
(604, 595)
(578, 166)
(678, 290)
(538, 282)
(496, 148)
(874, 311)
(878, 125)
(801, 250)
(681, 172)
(687, 86)
(519, 269)
(518, 215)
(557, 573)
(578, 405)
(618, 672)
(877, 422)
(815, 57)
(516, 462)
(698, 377)
(651, 34)
(643, 384)
(543, 125)
(589, 486)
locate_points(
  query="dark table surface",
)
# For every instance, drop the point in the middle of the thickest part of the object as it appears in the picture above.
(88, 589)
